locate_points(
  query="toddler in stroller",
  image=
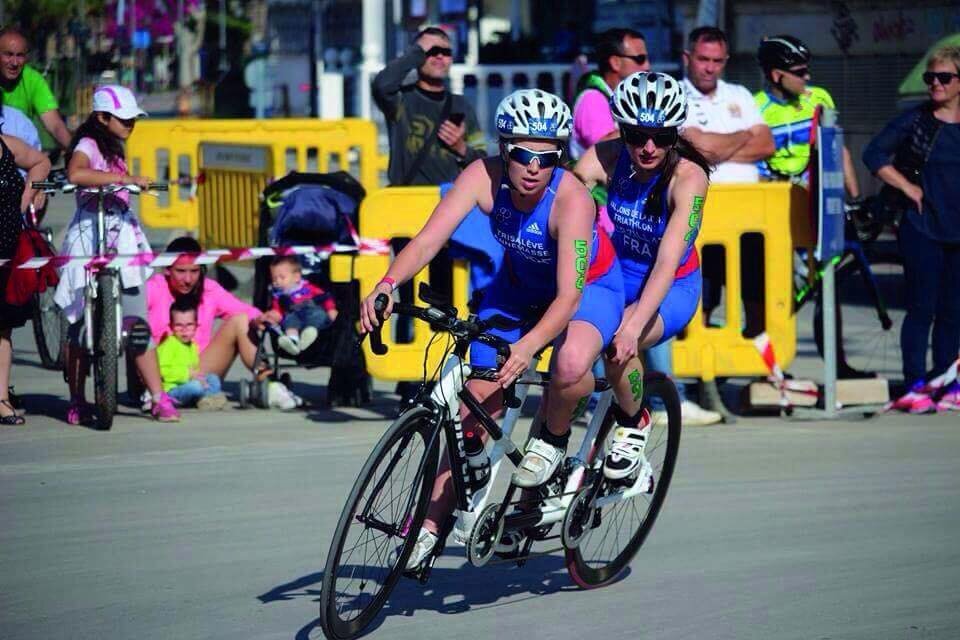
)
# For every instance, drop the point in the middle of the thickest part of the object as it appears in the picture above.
(319, 316)
(306, 308)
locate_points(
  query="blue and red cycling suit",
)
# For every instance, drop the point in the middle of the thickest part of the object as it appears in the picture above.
(637, 234)
(527, 282)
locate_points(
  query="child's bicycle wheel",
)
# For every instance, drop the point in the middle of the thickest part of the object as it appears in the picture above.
(106, 349)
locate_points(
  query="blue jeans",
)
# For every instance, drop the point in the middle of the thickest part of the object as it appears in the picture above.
(188, 393)
(931, 271)
(660, 358)
(306, 314)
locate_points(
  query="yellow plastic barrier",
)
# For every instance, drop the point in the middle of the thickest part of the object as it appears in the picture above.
(776, 210)
(171, 149)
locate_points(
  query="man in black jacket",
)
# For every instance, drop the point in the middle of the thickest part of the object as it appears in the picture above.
(413, 113)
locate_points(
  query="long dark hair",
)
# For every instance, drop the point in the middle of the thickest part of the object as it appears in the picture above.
(109, 145)
(186, 244)
(682, 149)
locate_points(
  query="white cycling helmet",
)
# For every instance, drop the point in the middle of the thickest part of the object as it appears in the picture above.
(532, 113)
(649, 99)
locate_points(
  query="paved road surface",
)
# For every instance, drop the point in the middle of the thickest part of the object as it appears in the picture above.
(218, 527)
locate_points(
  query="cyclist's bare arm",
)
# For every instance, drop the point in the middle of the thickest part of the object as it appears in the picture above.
(80, 174)
(850, 182)
(37, 166)
(468, 190)
(598, 162)
(573, 230)
(688, 191)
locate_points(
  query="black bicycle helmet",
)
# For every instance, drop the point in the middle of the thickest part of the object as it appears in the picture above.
(782, 52)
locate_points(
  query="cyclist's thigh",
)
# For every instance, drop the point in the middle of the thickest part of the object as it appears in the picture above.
(680, 304)
(601, 307)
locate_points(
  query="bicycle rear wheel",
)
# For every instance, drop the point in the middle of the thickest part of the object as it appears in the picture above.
(106, 350)
(49, 330)
(379, 524)
(618, 530)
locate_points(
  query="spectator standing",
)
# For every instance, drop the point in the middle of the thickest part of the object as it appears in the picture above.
(788, 105)
(918, 154)
(25, 89)
(433, 132)
(726, 126)
(179, 359)
(15, 196)
(620, 53)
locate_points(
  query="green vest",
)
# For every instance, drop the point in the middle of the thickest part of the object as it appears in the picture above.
(790, 124)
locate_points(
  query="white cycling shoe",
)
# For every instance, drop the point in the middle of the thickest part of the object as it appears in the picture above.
(426, 541)
(625, 451)
(539, 462)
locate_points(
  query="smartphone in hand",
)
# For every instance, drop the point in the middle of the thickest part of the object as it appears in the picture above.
(457, 118)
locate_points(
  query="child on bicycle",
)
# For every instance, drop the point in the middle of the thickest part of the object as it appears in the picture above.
(306, 308)
(179, 359)
(96, 158)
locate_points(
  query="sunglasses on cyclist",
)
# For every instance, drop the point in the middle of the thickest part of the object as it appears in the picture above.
(127, 122)
(638, 137)
(640, 58)
(525, 156)
(944, 77)
(800, 72)
(439, 51)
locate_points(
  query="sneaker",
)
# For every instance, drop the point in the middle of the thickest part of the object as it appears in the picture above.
(917, 393)
(164, 410)
(539, 463)
(626, 449)
(290, 344)
(79, 412)
(307, 337)
(146, 402)
(426, 541)
(950, 400)
(693, 415)
(212, 402)
(923, 404)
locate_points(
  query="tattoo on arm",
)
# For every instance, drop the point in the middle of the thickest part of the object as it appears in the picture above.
(580, 248)
(696, 215)
(636, 384)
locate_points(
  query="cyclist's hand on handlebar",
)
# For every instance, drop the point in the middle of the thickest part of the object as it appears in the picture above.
(624, 347)
(140, 181)
(368, 314)
(520, 356)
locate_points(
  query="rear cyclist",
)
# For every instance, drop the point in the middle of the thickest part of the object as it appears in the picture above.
(657, 183)
(555, 258)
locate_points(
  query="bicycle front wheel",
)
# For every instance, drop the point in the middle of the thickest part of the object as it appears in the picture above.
(49, 330)
(379, 524)
(618, 530)
(106, 349)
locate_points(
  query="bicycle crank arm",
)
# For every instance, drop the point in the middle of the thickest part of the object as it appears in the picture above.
(519, 559)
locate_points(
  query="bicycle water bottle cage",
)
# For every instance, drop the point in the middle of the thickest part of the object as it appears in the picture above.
(136, 335)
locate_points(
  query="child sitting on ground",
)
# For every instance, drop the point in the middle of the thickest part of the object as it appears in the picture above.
(179, 359)
(307, 309)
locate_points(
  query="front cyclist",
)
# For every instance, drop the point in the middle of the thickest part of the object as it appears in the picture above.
(555, 258)
(657, 183)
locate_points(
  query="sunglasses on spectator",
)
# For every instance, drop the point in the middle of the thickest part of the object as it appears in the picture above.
(944, 77)
(525, 156)
(800, 72)
(439, 51)
(640, 58)
(638, 137)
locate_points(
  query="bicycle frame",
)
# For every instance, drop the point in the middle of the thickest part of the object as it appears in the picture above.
(91, 288)
(451, 391)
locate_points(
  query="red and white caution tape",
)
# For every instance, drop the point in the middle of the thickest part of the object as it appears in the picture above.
(946, 378)
(777, 378)
(365, 246)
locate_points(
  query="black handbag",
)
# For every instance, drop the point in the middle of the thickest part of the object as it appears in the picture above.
(909, 159)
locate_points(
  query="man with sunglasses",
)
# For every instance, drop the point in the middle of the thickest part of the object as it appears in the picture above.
(426, 114)
(556, 262)
(788, 105)
(25, 89)
(619, 53)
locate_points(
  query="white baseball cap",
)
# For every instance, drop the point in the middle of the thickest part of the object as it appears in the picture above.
(118, 101)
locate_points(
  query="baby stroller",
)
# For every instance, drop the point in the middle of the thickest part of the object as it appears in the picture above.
(311, 209)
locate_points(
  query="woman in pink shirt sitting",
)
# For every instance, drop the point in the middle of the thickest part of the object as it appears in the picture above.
(217, 349)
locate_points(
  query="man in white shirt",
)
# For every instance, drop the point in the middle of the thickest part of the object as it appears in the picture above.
(723, 122)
